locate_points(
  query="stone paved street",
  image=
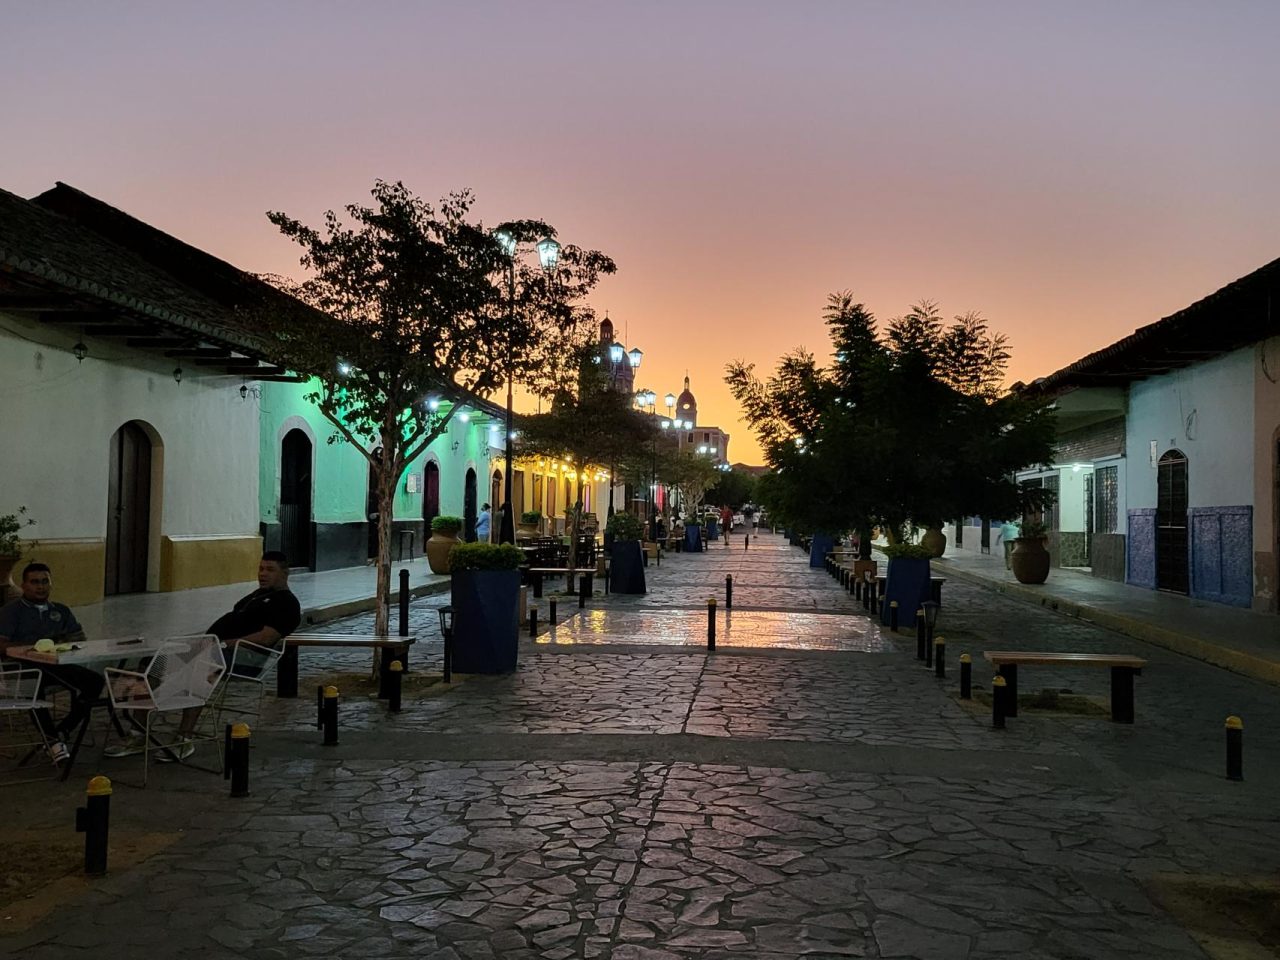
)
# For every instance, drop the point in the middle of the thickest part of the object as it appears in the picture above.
(808, 790)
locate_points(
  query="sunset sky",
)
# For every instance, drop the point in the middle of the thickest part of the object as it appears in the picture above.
(1070, 170)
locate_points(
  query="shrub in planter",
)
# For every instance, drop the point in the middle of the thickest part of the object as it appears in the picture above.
(626, 570)
(530, 523)
(486, 607)
(444, 538)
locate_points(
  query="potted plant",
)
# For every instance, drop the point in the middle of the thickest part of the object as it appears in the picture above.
(692, 536)
(935, 540)
(11, 525)
(906, 580)
(819, 547)
(1030, 559)
(626, 573)
(485, 584)
(530, 524)
(444, 538)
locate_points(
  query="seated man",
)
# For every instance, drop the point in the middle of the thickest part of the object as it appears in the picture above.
(264, 618)
(32, 617)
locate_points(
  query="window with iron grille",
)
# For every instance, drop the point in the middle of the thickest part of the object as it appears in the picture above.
(1106, 491)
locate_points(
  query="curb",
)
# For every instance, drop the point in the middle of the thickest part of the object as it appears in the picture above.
(336, 611)
(1191, 646)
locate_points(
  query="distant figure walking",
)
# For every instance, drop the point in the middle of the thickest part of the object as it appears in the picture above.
(726, 521)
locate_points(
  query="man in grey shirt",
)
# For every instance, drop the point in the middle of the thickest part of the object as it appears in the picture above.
(32, 617)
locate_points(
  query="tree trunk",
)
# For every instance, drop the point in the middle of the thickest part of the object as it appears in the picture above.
(386, 502)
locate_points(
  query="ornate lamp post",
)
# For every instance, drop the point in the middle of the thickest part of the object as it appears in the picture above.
(548, 256)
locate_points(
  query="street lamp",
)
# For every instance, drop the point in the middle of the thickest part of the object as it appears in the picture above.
(548, 257)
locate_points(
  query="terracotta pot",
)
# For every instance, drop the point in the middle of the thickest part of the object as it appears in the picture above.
(935, 540)
(1029, 560)
(526, 531)
(438, 549)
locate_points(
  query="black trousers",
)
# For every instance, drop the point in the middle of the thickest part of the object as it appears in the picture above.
(85, 686)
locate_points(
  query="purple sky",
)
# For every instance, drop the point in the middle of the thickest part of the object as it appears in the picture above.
(1070, 170)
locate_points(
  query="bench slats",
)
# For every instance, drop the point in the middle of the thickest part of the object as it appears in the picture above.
(1015, 657)
(345, 640)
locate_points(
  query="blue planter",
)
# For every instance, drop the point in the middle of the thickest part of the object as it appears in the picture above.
(486, 620)
(713, 530)
(692, 538)
(626, 568)
(821, 545)
(908, 583)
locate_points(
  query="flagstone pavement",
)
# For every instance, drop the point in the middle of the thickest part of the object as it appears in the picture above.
(807, 790)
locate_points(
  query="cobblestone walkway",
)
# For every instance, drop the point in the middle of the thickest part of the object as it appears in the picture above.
(808, 790)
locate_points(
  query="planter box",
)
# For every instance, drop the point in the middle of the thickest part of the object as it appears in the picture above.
(821, 545)
(908, 583)
(486, 620)
(692, 539)
(626, 572)
(713, 531)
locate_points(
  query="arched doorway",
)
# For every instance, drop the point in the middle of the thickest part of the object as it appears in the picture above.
(128, 510)
(295, 499)
(469, 513)
(495, 490)
(1171, 522)
(430, 494)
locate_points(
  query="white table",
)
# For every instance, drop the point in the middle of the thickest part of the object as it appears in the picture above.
(90, 653)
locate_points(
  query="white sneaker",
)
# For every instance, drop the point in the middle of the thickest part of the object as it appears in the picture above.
(178, 751)
(132, 746)
(58, 753)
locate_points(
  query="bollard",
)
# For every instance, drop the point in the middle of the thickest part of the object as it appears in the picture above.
(866, 596)
(533, 623)
(746, 541)
(998, 687)
(940, 658)
(711, 623)
(237, 763)
(584, 590)
(329, 716)
(1235, 748)
(404, 603)
(728, 591)
(928, 651)
(446, 667)
(966, 677)
(395, 674)
(920, 634)
(551, 612)
(92, 820)
(857, 589)
(893, 615)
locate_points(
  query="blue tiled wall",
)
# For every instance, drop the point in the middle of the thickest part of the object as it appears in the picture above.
(1221, 544)
(1141, 547)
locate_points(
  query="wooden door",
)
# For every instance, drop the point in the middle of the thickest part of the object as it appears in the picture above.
(430, 495)
(1171, 523)
(128, 511)
(469, 512)
(295, 499)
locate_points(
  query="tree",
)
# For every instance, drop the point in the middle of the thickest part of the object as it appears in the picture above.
(733, 487)
(908, 428)
(401, 308)
(588, 423)
(691, 474)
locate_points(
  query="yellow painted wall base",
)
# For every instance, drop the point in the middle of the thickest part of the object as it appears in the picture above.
(77, 568)
(187, 563)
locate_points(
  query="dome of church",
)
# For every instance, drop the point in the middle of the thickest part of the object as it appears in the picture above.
(606, 330)
(686, 403)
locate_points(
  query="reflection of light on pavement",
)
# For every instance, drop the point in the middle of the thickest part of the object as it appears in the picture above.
(747, 628)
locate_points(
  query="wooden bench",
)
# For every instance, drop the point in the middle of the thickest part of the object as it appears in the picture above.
(1123, 669)
(287, 671)
(536, 574)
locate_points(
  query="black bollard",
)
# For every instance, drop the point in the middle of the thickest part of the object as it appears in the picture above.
(920, 634)
(966, 677)
(928, 652)
(533, 623)
(404, 603)
(329, 716)
(857, 588)
(728, 591)
(584, 591)
(893, 615)
(1235, 748)
(998, 688)
(551, 612)
(446, 667)
(940, 658)
(746, 541)
(237, 762)
(92, 820)
(711, 623)
(395, 677)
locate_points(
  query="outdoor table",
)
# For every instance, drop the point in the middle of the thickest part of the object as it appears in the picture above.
(93, 654)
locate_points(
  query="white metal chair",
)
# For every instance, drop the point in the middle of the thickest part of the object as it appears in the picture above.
(183, 674)
(244, 685)
(19, 701)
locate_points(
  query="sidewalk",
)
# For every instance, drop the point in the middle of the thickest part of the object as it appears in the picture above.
(324, 596)
(1239, 640)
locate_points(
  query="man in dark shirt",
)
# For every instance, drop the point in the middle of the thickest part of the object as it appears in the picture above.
(264, 618)
(32, 617)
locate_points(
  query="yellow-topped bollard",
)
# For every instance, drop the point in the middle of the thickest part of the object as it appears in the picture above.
(396, 671)
(940, 658)
(329, 715)
(93, 820)
(240, 731)
(966, 677)
(1235, 748)
(235, 766)
(711, 623)
(330, 692)
(999, 689)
